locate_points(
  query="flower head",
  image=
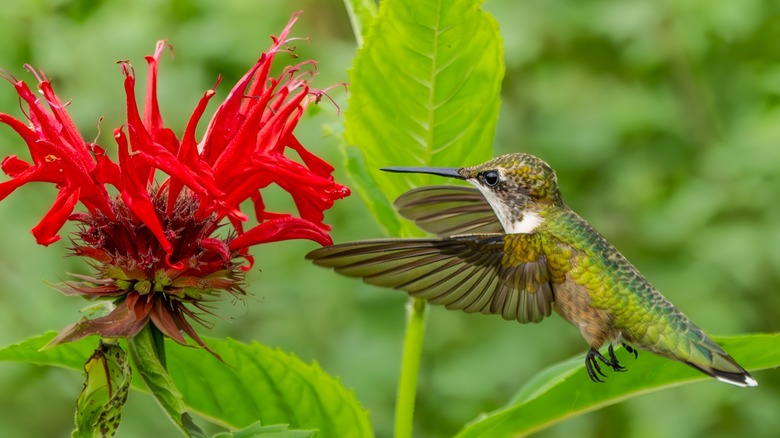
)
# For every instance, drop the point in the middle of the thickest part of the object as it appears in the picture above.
(155, 245)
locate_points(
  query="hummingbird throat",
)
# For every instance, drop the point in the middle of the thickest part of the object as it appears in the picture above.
(514, 220)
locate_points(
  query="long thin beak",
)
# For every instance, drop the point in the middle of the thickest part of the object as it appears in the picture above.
(441, 171)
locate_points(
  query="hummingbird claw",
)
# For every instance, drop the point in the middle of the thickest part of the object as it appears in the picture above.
(592, 366)
(593, 376)
(613, 362)
(592, 362)
(631, 349)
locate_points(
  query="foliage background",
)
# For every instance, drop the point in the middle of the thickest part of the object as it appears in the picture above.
(661, 118)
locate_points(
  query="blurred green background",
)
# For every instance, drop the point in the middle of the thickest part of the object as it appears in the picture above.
(662, 119)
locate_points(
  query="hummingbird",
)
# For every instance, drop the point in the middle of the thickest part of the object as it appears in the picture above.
(510, 246)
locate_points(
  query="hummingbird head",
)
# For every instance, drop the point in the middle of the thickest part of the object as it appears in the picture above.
(519, 187)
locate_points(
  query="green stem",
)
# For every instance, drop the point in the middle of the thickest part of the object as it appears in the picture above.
(158, 342)
(416, 311)
(148, 352)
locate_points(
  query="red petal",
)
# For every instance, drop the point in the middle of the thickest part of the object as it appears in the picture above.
(135, 195)
(106, 171)
(313, 162)
(60, 156)
(152, 117)
(20, 179)
(281, 229)
(216, 245)
(188, 153)
(46, 231)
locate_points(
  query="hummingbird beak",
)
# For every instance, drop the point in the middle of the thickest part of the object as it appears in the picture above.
(440, 171)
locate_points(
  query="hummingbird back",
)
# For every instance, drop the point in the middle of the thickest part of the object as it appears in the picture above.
(633, 309)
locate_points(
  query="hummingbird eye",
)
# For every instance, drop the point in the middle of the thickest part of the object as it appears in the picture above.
(490, 178)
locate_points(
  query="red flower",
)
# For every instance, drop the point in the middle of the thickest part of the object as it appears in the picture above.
(153, 245)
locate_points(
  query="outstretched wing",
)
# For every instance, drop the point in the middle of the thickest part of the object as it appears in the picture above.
(468, 272)
(448, 210)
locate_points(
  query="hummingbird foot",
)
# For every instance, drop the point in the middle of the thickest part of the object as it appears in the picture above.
(592, 363)
(613, 362)
(630, 349)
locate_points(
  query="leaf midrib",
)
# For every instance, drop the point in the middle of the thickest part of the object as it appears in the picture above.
(430, 104)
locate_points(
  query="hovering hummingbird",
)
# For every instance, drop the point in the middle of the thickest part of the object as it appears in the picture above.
(512, 247)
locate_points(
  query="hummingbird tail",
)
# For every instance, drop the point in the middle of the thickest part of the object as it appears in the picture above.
(739, 378)
(681, 340)
(709, 358)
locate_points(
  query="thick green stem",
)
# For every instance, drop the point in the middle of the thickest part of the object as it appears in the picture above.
(148, 352)
(417, 309)
(158, 342)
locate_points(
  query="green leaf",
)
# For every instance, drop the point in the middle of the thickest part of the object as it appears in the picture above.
(364, 184)
(70, 355)
(565, 390)
(149, 359)
(274, 431)
(256, 383)
(99, 407)
(361, 15)
(270, 385)
(425, 91)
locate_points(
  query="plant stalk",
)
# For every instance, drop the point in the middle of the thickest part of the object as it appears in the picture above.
(147, 349)
(416, 312)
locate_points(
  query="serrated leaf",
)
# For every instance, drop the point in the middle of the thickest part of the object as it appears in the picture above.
(425, 91)
(256, 383)
(274, 431)
(269, 385)
(565, 390)
(71, 355)
(99, 407)
(361, 16)
(364, 185)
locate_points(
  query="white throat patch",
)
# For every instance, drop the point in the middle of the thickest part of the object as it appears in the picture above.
(526, 225)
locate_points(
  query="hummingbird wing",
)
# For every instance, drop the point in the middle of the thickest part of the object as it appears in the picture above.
(448, 210)
(472, 273)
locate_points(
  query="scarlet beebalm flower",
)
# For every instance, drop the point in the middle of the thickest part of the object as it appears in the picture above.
(155, 245)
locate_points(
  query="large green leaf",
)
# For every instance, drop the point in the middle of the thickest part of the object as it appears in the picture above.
(270, 385)
(361, 16)
(425, 91)
(565, 390)
(275, 431)
(256, 383)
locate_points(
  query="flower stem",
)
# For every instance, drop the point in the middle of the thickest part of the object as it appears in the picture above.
(148, 352)
(158, 343)
(416, 311)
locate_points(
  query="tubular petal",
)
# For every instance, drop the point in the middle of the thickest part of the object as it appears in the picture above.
(46, 231)
(281, 229)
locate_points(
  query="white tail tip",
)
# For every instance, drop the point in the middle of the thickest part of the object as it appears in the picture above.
(748, 381)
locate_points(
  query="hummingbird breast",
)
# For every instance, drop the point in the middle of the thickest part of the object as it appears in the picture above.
(598, 290)
(574, 303)
(603, 294)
